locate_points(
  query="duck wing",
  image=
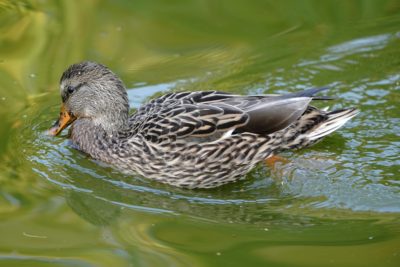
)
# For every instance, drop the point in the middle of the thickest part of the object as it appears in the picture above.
(213, 113)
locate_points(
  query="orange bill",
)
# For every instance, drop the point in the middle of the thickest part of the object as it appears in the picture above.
(65, 119)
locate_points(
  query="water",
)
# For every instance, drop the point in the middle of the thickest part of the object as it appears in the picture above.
(335, 204)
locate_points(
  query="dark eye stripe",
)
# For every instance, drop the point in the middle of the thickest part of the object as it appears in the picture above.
(70, 90)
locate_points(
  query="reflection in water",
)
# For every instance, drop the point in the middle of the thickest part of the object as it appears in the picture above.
(315, 176)
(327, 181)
(94, 210)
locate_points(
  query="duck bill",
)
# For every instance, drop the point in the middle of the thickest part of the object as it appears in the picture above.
(65, 119)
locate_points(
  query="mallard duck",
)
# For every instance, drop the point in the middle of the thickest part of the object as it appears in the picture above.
(187, 139)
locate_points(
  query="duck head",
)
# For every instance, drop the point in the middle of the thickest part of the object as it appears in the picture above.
(93, 92)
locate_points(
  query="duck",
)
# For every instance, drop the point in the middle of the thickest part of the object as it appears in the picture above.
(193, 140)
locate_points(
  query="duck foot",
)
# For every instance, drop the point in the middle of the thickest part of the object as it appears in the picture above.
(270, 161)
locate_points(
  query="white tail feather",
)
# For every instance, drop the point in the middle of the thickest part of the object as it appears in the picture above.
(334, 122)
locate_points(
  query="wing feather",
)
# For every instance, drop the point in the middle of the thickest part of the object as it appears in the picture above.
(213, 113)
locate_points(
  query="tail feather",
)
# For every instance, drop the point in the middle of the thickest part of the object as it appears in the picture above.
(313, 126)
(336, 119)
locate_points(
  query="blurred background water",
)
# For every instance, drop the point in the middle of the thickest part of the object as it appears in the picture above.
(335, 204)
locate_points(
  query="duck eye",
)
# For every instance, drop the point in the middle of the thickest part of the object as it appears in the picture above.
(70, 89)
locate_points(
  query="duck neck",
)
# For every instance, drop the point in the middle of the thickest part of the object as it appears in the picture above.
(93, 138)
(112, 123)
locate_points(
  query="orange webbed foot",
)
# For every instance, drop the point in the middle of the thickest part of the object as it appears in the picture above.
(270, 161)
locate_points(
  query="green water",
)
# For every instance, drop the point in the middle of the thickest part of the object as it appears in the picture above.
(335, 204)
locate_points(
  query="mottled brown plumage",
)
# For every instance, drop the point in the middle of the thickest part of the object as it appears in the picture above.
(188, 139)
